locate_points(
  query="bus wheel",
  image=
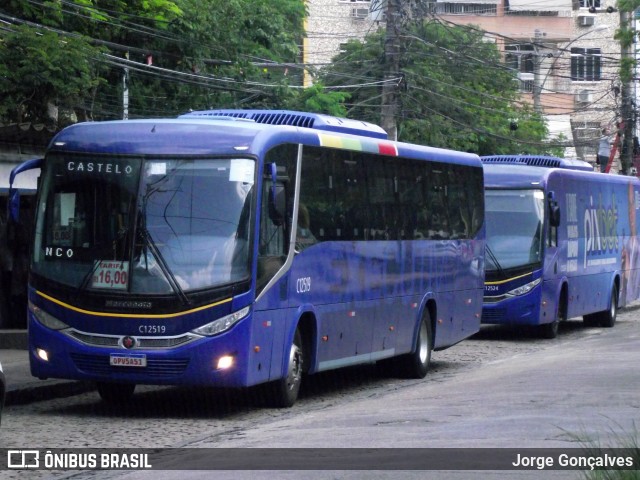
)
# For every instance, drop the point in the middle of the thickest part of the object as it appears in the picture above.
(608, 317)
(285, 391)
(416, 364)
(549, 330)
(116, 393)
(591, 320)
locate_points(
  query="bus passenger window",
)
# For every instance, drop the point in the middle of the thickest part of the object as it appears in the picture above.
(304, 236)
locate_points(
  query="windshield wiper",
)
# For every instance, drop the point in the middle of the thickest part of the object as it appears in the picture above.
(87, 277)
(495, 261)
(171, 278)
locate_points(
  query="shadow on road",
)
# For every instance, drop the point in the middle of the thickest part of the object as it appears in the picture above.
(521, 333)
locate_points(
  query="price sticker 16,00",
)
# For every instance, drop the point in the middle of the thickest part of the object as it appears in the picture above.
(110, 274)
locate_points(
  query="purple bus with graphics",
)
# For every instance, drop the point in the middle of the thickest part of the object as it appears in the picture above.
(235, 248)
(561, 242)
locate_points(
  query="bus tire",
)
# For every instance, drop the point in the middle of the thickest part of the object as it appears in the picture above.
(591, 320)
(549, 330)
(115, 393)
(607, 318)
(416, 363)
(284, 392)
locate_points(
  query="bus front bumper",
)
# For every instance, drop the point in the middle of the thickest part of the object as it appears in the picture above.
(53, 354)
(520, 310)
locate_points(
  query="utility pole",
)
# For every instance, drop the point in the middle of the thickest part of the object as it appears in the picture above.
(537, 60)
(390, 98)
(627, 114)
(125, 91)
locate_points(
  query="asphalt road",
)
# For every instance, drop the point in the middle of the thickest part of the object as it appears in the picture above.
(500, 389)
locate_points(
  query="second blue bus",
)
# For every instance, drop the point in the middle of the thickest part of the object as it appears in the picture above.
(562, 242)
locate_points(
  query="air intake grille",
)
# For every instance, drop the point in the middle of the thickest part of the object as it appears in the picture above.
(539, 161)
(293, 118)
(97, 340)
(494, 315)
(142, 342)
(531, 160)
(271, 118)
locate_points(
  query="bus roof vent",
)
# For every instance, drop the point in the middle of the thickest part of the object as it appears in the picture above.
(539, 161)
(297, 119)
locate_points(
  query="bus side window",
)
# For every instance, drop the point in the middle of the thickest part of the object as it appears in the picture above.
(273, 241)
(552, 239)
(272, 245)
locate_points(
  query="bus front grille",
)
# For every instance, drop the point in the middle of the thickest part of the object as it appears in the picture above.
(156, 367)
(97, 340)
(493, 315)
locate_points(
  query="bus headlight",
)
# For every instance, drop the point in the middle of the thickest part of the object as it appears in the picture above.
(524, 288)
(47, 319)
(222, 324)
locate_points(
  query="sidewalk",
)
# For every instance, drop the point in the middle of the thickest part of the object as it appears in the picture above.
(21, 386)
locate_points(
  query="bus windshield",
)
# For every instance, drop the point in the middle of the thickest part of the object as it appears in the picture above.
(514, 228)
(137, 226)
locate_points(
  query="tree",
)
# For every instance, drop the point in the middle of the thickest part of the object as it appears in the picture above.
(453, 90)
(45, 78)
(319, 100)
(180, 54)
(626, 34)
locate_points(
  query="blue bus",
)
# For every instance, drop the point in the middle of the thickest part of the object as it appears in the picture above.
(234, 248)
(562, 242)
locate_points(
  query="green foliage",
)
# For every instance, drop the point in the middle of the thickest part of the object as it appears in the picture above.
(243, 53)
(628, 5)
(620, 442)
(320, 100)
(453, 91)
(204, 53)
(41, 72)
(627, 67)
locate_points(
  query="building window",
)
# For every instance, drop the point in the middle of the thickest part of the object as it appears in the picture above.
(586, 136)
(585, 64)
(590, 3)
(457, 8)
(520, 57)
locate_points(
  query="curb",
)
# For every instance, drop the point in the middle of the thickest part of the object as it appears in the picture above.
(54, 389)
(13, 339)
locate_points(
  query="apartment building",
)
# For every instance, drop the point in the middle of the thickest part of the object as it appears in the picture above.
(562, 53)
(331, 23)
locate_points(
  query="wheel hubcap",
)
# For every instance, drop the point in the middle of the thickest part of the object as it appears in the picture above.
(295, 367)
(423, 346)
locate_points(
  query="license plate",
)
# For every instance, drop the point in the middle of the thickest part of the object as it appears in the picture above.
(130, 360)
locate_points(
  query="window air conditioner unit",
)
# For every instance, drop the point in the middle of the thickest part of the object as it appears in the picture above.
(378, 14)
(359, 13)
(525, 77)
(587, 20)
(584, 96)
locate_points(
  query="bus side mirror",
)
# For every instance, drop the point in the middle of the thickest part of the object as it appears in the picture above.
(14, 205)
